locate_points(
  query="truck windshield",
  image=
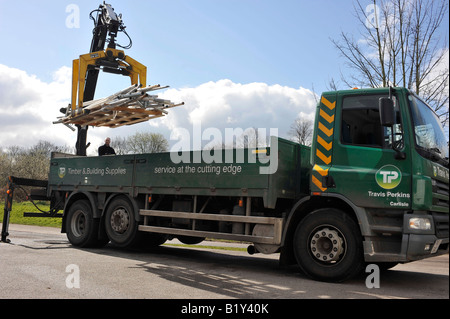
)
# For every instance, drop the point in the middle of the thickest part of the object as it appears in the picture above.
(431, 140)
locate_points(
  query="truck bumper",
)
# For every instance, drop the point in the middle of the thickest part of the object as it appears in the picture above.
(413, 247)
(397, 241)
(423, 246)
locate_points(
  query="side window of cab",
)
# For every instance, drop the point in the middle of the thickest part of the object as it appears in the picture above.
(361, 122)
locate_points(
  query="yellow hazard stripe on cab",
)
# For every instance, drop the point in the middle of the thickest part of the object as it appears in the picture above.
(324, 144)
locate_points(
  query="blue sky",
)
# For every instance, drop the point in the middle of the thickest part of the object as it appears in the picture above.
(184, 44)
(189, 42)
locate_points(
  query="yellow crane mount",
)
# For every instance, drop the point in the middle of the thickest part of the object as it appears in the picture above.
(112, 61)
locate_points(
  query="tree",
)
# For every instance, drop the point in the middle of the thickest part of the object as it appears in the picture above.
(251, 138)
(301, 131)
(120, 145)
(32, 162)
(147, 143)
(45, 148)
(5, 165)
(401, 46)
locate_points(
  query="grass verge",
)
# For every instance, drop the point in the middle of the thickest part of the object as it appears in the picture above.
(19, 208)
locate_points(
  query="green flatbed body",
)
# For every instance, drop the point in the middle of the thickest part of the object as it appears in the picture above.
(232, 172)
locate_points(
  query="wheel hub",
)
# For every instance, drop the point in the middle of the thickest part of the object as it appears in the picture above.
(120, 220)
(327, 245)
(78, 224)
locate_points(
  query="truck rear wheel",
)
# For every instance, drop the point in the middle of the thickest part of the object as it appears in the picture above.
(328, 245)
(120, 223)
(81, 226)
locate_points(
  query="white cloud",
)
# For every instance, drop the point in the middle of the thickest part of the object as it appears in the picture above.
(224, 104)
(29, 106)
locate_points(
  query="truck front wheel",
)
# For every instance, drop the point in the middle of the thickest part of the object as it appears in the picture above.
(328, 245)
(120, 223)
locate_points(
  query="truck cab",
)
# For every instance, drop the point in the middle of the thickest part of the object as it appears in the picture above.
(392, 174)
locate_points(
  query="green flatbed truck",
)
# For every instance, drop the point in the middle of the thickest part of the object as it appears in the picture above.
(372, 188)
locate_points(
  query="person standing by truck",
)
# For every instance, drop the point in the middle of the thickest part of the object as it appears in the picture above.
(106, 149)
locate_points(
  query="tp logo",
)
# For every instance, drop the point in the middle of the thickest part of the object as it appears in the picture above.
(62, 172)
(388, 177)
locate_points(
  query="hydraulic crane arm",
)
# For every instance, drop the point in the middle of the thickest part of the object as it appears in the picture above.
(107, 23)
(84, 82)
(113, 111)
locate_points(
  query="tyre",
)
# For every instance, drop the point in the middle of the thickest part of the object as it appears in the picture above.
(81, 226)
(328, 246)
(152, 240)
(188, 240)
(121, 225)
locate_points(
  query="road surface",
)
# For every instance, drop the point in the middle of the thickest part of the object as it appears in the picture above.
(40, 263)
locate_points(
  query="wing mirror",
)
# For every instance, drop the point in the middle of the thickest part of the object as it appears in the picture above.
(387, 119)
(387, 112)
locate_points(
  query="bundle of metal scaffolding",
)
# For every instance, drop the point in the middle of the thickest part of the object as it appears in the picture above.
(129, 106)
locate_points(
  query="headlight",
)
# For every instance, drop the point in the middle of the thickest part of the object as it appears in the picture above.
(419, 223)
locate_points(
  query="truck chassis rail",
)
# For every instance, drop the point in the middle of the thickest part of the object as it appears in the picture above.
(274, 240)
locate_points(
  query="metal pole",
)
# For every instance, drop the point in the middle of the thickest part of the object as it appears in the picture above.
(248, 212)
(7, 211)
(194, 210)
